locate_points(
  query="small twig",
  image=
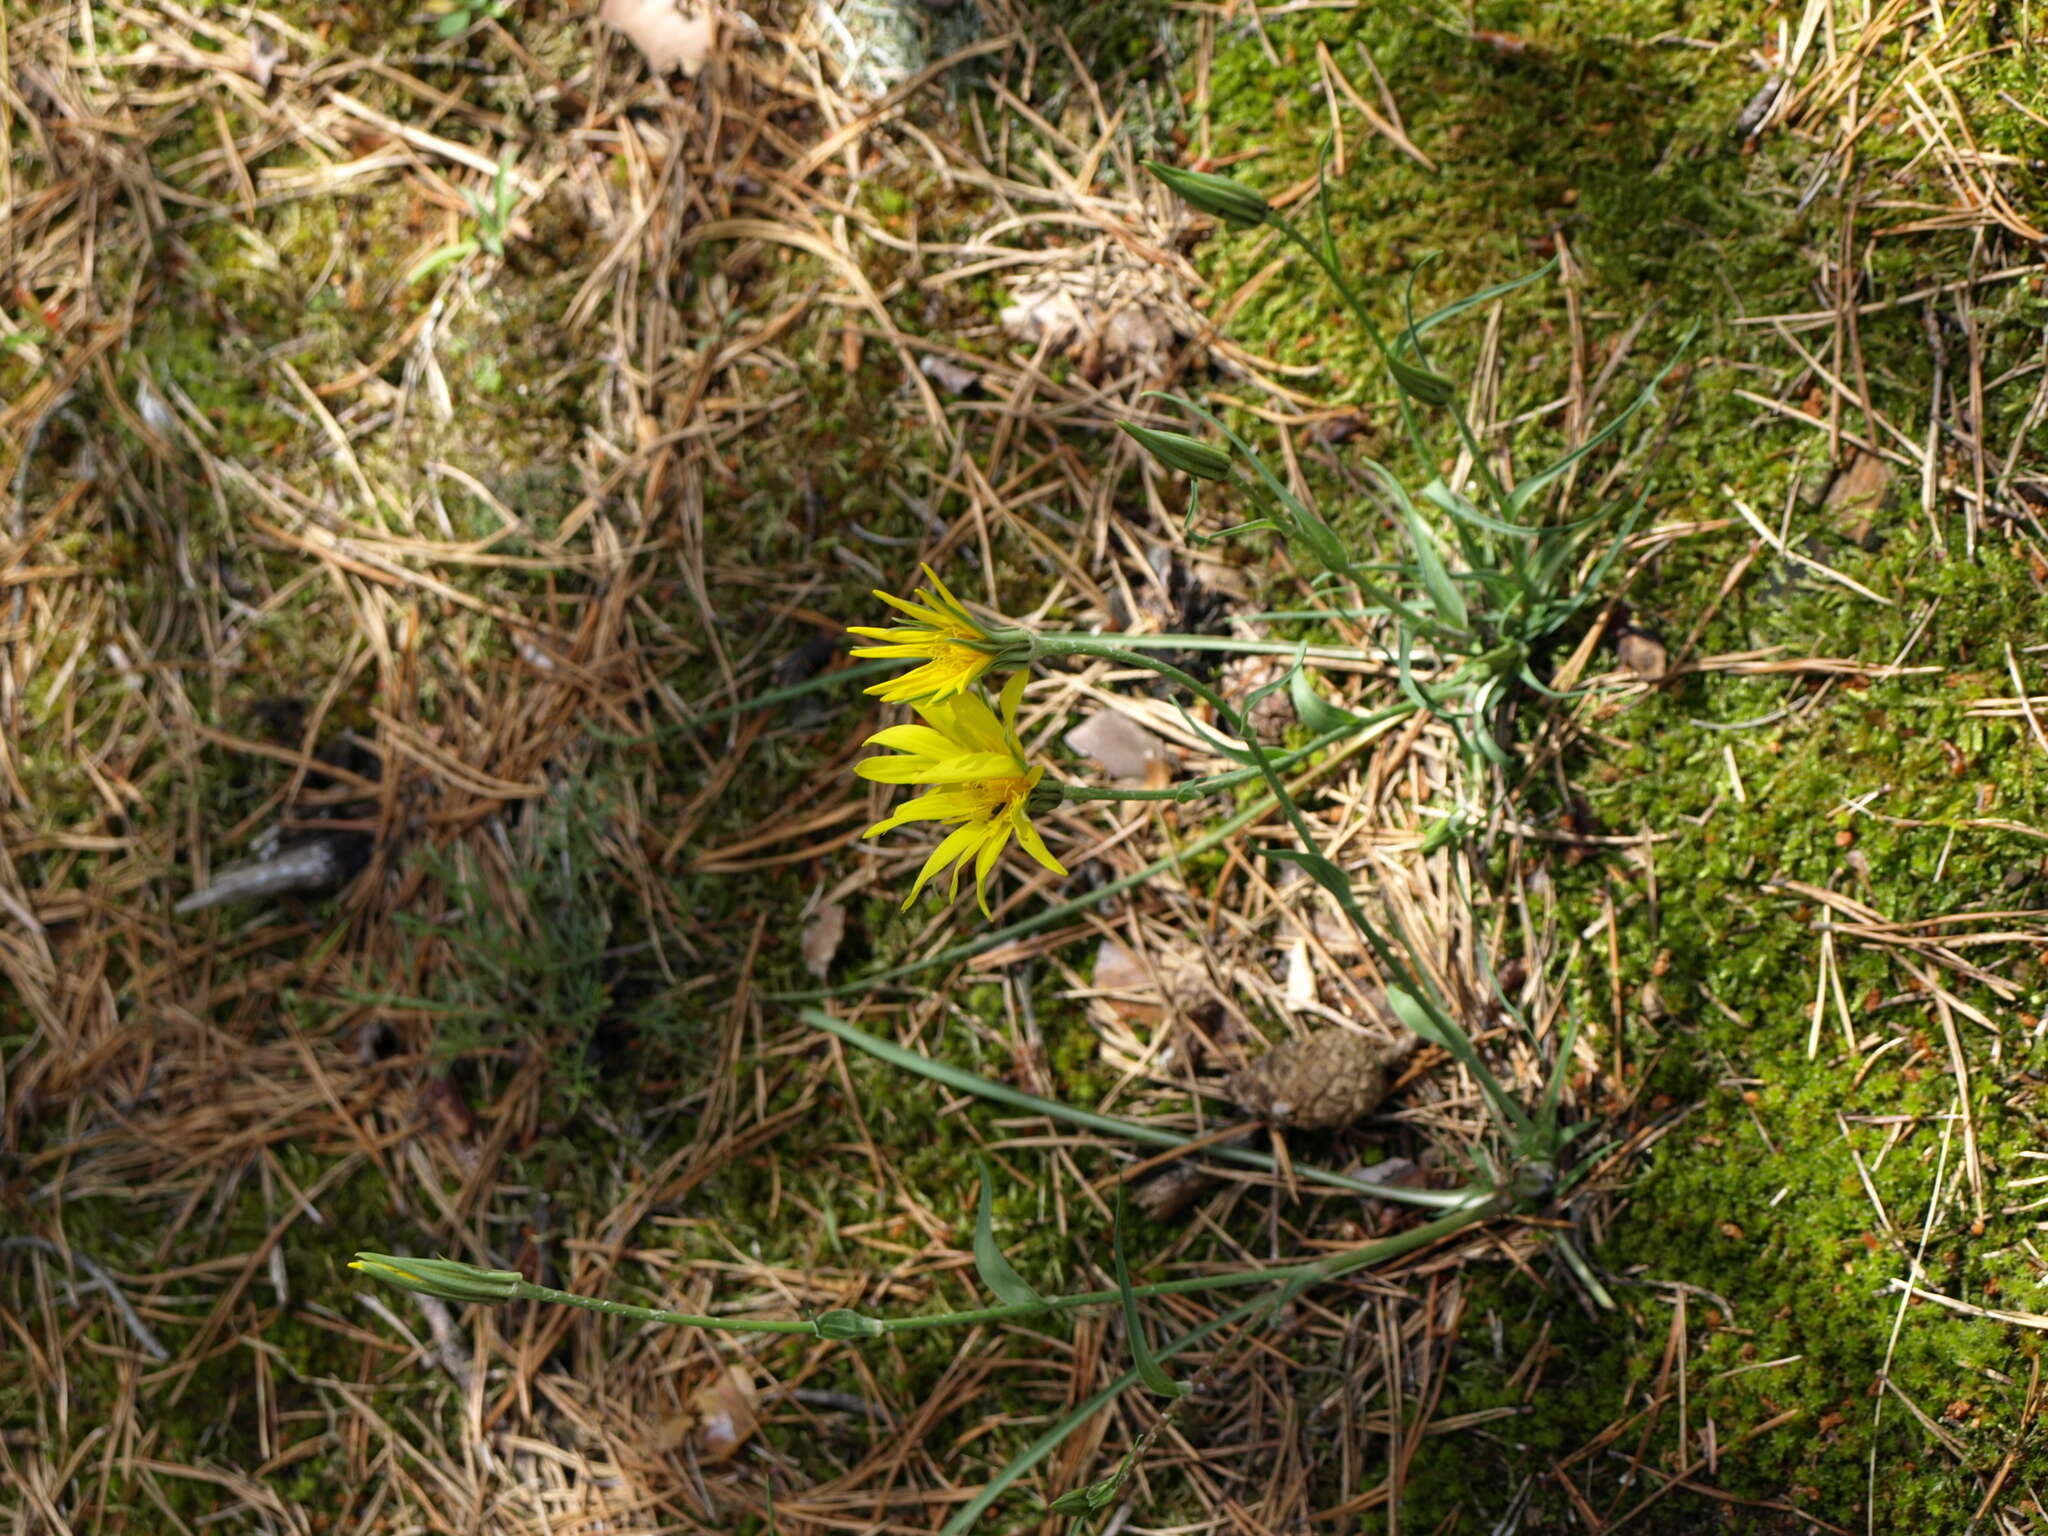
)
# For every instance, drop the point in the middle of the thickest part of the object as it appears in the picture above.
(101, 1280)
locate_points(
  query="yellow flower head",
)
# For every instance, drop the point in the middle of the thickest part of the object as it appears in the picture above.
(954, 647)
(984, 785)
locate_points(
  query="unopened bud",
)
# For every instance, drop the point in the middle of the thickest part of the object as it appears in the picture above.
(1423, 384)
(449, 1279)
(840, 1323)
(1223, 197)
(1176, 450)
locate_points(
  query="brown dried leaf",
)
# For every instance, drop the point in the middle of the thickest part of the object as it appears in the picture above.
(1856, 495)
(671, 36)
(720, 1417)
(1059, 309)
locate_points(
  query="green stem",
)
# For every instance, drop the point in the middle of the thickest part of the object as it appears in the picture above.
(529, 1292)
(1218, 643)
(1472, 1206)
(1476, 1208)
(1372, 330)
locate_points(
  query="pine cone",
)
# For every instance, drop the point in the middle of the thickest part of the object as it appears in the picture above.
(1316, 1082)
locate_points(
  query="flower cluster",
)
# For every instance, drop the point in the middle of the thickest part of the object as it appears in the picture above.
(968, 758)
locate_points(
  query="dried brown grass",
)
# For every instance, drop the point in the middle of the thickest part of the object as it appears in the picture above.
(158, 1068)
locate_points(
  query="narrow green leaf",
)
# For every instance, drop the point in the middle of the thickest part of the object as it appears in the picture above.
(1410, 1011)
(1436, 576)
(1008, 1286)
(1327, 875)
(1483, 296)
(1149, 1369)
(1461, 508)
(1312, 709)
(1526, 491)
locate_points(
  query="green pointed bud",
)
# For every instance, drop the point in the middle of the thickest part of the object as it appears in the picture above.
(1223, 197)
(839, 1323)
(1073, 1502)
(1176, 450)
(1420, 383)
(449, 1279)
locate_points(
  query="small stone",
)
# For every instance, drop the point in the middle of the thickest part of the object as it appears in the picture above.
(1123, 748)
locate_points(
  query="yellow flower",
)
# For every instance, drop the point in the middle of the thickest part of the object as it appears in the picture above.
(985, 785)
(954, 647)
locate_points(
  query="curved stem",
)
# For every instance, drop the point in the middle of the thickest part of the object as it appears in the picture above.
(1477, 1206)
(530, 1292)
(1473, 1206)
(1358, 311)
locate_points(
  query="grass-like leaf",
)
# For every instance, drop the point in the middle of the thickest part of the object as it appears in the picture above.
(1130, 1130)
(1150, 1371)
(1311, 708)
(1009, 1287)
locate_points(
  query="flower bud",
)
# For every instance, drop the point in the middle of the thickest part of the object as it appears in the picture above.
(449, 1279)
(840, 1323)
(1223, 197)
(1423, 384)
(1176, 450)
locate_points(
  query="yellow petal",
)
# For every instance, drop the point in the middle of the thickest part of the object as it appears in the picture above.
(947, 598)
(936, 617)
(991, 850)
(955, 846)
(921, 739)
(1013, 694)
(893, 770)
(1029, 840)
(963, 768)
(939, 805)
